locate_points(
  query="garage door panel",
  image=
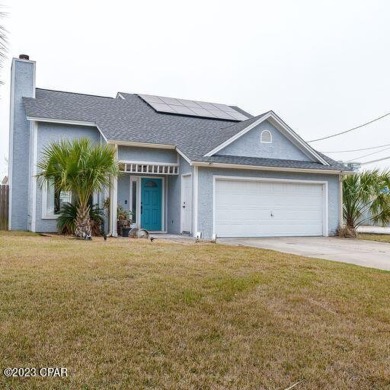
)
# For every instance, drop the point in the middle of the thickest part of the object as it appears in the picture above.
(256, 208)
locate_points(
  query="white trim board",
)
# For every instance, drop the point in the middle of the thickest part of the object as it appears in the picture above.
(181, 200)
(44, 214)
(195, 195)
(148, 163)
(325, 209)
(134, 179)
(61, 121)
(67, 122)
(183, 155)
(283, 128)
(274, 169)
(114, 201)
(141, 144)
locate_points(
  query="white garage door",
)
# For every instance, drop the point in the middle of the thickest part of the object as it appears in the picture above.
(264, 208)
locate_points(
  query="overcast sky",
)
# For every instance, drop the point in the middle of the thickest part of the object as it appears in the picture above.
(323, 66)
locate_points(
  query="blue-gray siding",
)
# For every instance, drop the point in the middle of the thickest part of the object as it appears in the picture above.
(124, 191)
(249, 145)
(205, 194)
(173, 205)
(130, 153)
(174, 198)
(22, 84)
(47, 134)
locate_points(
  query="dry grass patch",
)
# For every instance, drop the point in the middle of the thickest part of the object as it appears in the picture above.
(375, 237)
(134, 314)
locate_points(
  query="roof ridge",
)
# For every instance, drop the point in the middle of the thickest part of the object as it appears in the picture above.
(75, 93)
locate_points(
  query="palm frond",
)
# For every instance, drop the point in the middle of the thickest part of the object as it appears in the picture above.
(66, 222)
(366, 198)
(80, 167)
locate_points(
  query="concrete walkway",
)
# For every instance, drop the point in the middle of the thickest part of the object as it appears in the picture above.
(364, 253)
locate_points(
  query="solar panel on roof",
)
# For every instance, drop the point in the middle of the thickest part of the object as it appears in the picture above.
(207, 106)
(170, 101)
(189, 103)
(237, 115)
(162, 107)
(192, 108)
(202, 112)
(222, 114)
(183, 110)
(153, 99)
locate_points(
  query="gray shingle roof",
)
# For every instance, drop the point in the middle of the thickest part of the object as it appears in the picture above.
(270, 162)
(131, 119)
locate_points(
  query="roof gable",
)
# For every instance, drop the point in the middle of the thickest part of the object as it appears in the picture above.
(281, 126)
(254, 144)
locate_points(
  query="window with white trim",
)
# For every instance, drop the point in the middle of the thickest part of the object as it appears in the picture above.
(266, 137)
(52, 200)
(133, 197)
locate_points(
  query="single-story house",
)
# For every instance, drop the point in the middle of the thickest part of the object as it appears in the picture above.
(186, 166)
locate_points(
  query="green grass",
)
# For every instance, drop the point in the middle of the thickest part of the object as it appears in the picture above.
(375, 237)
(131, 314)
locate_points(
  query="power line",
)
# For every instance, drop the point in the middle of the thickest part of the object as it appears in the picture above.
(347, 131)
(358, 150)
(372, 161)
(369, 154)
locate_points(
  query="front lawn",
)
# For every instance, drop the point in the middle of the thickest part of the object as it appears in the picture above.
(131, 314)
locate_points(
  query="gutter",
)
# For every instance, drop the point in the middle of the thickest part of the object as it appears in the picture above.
(265, 168)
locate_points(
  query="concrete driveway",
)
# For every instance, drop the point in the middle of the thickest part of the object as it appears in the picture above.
(365, 253)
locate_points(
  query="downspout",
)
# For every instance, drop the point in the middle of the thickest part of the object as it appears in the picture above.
(33, 168)
(195, 201)
(341, 217)
(114, 201)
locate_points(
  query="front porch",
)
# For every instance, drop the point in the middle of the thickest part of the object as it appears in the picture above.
(150, 193)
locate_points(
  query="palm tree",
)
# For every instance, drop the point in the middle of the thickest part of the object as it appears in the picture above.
(366, 197)
(82, 168)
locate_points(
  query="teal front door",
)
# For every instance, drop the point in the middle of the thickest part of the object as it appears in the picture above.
(151, 204)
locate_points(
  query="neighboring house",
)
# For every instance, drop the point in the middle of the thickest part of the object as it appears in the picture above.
(4, 182)
(187, 167)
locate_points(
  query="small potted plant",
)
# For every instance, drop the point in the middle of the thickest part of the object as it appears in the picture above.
(124, 221)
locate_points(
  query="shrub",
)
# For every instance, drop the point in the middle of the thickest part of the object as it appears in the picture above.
(66, 222)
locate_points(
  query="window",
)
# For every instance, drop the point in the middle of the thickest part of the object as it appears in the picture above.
(266, 137)
(134, 200)
(151, 183)
(53, 200)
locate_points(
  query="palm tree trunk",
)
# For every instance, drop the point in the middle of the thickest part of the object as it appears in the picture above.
(83, 222)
